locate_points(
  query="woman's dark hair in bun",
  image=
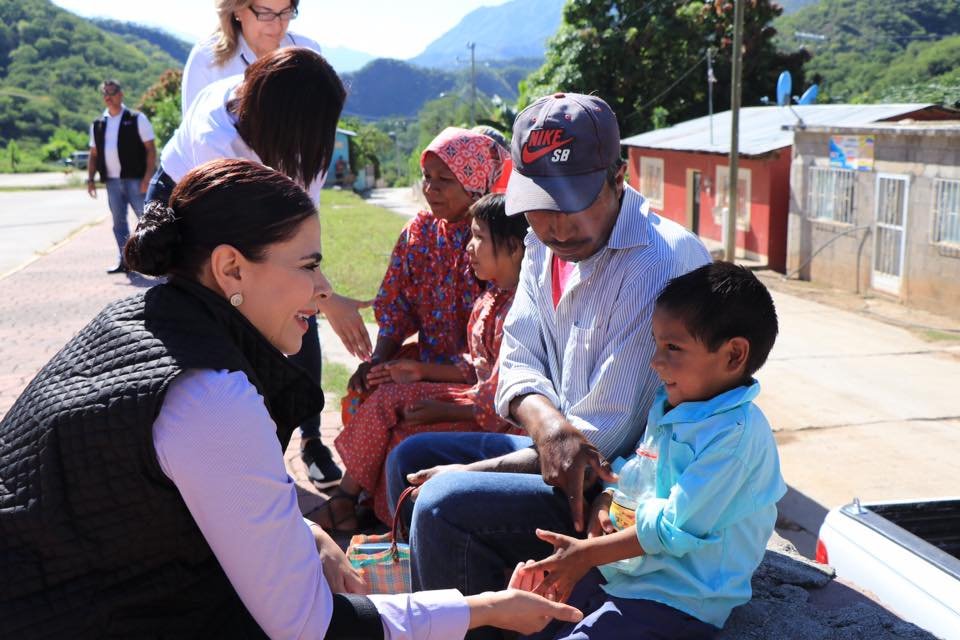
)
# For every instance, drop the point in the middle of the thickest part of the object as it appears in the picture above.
(236, 202)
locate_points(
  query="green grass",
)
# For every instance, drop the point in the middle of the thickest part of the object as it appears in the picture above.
(333, 380)
(935, 335)
(357, 241)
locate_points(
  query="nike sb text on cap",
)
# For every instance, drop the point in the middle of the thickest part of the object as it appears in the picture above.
(562, 147)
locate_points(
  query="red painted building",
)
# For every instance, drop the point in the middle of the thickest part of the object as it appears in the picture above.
(683, 170)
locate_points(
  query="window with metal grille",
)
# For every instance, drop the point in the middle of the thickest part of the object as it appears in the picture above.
(946, 212)
(722, 203)
(831, 195)
(651, 180)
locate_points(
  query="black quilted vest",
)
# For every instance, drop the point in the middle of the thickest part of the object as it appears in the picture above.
(95, 541)
(130, 148)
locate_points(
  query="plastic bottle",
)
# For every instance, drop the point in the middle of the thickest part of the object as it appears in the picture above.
(637, 483)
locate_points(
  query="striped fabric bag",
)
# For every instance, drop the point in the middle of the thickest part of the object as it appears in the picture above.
(382, 560)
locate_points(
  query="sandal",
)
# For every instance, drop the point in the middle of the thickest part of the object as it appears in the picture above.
(326, 516)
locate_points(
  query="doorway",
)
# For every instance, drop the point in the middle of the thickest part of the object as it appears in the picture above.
(890, 231)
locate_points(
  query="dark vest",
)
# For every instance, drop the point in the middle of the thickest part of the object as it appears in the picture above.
(95, 541)
(133, 155)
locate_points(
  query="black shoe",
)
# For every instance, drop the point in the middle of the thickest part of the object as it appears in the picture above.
(120, 268)
(321, 468)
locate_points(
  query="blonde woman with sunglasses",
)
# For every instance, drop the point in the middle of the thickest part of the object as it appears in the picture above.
(247, 30)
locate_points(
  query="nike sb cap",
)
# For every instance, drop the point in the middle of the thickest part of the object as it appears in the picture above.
(562, 147)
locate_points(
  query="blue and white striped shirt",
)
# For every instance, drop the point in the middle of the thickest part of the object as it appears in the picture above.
(591, 355)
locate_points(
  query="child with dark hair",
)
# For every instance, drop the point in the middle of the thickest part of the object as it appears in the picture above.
(676, 564)
(415, 397)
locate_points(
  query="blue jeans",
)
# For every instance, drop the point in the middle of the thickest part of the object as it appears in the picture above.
(468, 530)
(161, 186)
(122, 192)
(606, 617)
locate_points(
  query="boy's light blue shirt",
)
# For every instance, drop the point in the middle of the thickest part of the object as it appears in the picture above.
(718, 482)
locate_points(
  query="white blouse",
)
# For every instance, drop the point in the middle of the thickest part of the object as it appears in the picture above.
(217, 443)
(209, 132)
(200, 70)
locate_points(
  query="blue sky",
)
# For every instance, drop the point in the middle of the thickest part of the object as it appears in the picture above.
(386, 28)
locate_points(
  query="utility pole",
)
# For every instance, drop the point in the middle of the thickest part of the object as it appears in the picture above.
(710, 80)
(473, 82)
(730, 223)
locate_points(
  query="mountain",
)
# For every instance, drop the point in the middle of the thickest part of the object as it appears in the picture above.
(386, 87)
(344, 59)
(883, 50)
(516, 29)
(136, 33)
(51, 62)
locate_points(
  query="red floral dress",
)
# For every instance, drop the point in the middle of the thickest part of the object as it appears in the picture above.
(378, 426)
(429, 289)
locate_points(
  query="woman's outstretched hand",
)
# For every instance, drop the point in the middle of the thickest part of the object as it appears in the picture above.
(343, 314)
(517, 609)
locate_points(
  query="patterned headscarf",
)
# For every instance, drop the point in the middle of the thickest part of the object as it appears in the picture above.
(475, 159)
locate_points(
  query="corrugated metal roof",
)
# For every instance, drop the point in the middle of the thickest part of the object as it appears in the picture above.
(764, 129)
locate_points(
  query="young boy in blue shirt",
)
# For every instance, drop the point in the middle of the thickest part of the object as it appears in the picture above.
(696, 544)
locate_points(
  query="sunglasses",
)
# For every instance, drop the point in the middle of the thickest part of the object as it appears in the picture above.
(111, 91)
(265, 15)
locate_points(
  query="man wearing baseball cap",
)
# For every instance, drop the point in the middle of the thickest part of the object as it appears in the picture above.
(574, 368)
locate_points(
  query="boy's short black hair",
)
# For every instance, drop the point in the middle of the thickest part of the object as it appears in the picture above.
(505, 230)
(720, 301)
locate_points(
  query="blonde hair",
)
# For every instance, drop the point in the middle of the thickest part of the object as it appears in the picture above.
(228, 31)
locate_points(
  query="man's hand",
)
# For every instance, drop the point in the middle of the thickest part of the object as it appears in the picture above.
(92, 187)
(570, 462)
(144, 184)
(564, 569)
(343, 314)
(398, 371)
(427, 412)
(417, 479)
(339, 573)
(599, 523)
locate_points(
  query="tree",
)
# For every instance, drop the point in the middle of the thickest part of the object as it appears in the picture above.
(161, 104)
(642, 54)
(369, 147)
(62, 143)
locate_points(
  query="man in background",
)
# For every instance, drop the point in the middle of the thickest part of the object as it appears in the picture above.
(122, 150)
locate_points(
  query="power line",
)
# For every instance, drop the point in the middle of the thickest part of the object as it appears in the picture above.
(667, 90)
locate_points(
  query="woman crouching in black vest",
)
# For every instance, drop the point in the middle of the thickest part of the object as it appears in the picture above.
(142, 487)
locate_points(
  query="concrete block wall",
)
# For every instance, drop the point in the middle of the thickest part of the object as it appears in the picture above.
(931, 272)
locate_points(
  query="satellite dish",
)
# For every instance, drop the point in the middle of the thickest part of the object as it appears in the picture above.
(810, 95)
(784, 86)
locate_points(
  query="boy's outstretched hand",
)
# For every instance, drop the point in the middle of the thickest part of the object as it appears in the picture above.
(562, 570)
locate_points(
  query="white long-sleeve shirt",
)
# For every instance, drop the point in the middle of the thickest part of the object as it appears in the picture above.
(209, 132)
(591, 355)
(200, 70)
(216, 441)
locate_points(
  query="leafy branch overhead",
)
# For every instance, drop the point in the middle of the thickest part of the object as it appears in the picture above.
(644, 54)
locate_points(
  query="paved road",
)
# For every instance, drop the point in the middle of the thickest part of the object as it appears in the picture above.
(33, 221)
(45, 179)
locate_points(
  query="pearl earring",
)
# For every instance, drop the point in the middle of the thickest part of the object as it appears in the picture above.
(236, 299)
